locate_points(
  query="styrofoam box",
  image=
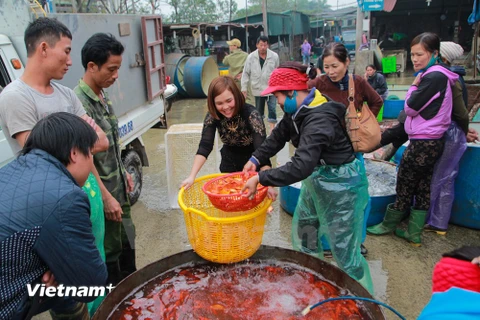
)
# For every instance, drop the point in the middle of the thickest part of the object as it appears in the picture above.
(181, 145)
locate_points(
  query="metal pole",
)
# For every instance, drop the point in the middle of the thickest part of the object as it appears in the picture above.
(475, 49)
(246, 27)
(202, 52)
(292, 52)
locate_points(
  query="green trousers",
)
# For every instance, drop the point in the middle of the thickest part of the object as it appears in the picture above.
(119, 235)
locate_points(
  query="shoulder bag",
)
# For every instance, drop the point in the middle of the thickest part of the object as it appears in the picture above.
(361, 124)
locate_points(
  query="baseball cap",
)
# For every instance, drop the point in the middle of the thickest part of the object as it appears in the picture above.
(234, 42)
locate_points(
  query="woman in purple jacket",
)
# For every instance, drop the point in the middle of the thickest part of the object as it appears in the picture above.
(428, 106)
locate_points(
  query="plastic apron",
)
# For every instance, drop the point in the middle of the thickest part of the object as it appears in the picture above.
(442, 192)
(97, 217)
(332, 202)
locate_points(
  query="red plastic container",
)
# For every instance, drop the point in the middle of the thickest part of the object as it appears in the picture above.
(234, 201)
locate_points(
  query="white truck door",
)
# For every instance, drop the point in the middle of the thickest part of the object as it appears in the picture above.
(10, 69)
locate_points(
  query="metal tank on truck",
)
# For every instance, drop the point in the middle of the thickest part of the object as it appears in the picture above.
(138, 95)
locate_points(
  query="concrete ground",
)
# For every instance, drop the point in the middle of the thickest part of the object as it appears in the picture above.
(401, 273)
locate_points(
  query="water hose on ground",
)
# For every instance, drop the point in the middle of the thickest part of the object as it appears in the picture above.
(310, 308)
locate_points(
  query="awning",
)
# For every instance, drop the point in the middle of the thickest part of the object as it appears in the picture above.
(388, 5)
(475, 15)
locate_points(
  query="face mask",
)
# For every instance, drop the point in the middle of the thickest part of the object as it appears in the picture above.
(290, 105)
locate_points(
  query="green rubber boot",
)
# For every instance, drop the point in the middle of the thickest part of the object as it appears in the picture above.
(389, 223)
(415, 227)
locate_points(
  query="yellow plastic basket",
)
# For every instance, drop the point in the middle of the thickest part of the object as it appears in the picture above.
(220, 236)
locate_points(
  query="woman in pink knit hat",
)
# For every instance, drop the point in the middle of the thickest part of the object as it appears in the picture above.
(334, 189)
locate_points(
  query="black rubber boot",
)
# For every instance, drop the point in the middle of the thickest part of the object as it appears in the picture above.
(114, 273)
(74, 311)
(127, 262)
(363, 250)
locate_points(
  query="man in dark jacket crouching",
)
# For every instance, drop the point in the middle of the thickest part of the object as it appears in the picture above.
(46, 240)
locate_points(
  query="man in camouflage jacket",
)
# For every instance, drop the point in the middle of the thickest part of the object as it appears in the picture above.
(101, 58)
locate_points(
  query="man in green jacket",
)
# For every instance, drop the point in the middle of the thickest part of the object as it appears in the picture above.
(235, 60)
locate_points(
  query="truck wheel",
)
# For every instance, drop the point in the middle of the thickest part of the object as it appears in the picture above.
(133, 165)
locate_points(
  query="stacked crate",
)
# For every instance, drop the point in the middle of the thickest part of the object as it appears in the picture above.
(181, 144)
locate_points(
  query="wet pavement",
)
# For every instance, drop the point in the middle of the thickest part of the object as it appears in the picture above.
(400, 272)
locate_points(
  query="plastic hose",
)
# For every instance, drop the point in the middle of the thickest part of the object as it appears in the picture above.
(310, 308)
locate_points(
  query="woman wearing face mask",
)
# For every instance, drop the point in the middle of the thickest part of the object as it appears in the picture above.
(334, 185)
(239, 126)
(334, 83)
(428, 106)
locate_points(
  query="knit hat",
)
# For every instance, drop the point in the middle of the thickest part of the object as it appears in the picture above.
(286, 79)
(456, 270)
(234, 42)
(450, 272)
(450, 50)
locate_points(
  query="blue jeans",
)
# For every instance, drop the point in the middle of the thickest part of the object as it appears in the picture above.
(272, 105)
(306, 59)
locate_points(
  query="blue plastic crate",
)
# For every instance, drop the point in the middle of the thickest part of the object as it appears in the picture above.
(466, 208)
(391, 108)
